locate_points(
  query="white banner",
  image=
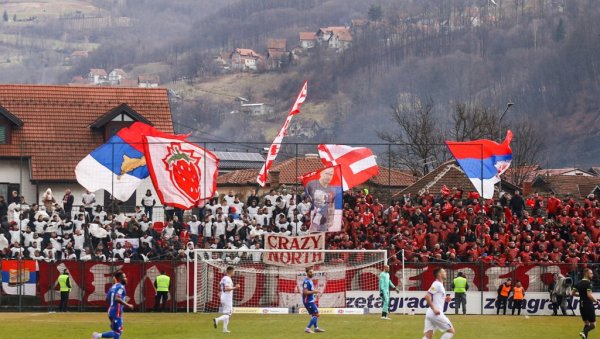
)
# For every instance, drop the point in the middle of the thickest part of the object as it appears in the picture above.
(312, 241)
(536, 303)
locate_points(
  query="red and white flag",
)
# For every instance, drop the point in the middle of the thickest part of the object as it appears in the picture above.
(357, 164)
(276, 145)
(183, 174)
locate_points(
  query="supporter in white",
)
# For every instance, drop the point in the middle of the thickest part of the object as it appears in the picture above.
(304, 207)
(15, 234)
(27, 237)
(271, 197)
(168, 231)
(220, 226)
(229, 198)
(3, 242)
(79, 222)
(194, 225)
(78, 240)
(434, 317)
(226, 287)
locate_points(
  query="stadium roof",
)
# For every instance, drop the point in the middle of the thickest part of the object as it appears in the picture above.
(239, 160)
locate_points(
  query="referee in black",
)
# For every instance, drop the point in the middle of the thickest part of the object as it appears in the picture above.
(586, 302)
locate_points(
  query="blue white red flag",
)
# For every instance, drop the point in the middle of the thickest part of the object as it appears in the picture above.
(483, 161)
(19, 277)
(119, 166)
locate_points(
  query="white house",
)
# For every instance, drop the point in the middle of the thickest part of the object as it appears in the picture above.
(307, 40)
(243, 59)
(116, 76)
(97, 76)
(42, 142)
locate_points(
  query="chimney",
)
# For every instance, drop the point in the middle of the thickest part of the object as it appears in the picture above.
(275, 174)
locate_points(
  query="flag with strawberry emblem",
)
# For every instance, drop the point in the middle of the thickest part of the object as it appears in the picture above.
(183, 174)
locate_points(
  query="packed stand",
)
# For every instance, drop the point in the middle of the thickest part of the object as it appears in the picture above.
(452, 226)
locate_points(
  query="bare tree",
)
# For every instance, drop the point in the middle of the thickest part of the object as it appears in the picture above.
(472, 121)
(527, 147)
(419, 135)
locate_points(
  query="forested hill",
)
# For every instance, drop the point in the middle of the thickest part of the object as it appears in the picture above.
(542, 55)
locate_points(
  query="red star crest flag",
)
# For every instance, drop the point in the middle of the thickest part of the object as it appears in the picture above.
(183, 174)
(276, 145)
(357, 164)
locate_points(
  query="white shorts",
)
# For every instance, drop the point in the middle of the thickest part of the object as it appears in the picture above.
(437, 322)
(226, 305)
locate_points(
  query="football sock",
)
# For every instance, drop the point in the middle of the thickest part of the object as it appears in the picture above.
(111, 334)
(225, 321)
(447, 335)
(312, 322)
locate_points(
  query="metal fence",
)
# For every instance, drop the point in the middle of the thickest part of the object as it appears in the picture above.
(32, 286)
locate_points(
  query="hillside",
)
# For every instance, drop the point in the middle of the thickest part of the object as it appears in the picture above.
(539, 54)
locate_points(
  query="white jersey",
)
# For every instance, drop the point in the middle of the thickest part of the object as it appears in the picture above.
(437, 322)
(226, 296)
(438, 296)
(226, 281)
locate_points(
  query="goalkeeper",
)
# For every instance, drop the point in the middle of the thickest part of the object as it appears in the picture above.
(384, 291)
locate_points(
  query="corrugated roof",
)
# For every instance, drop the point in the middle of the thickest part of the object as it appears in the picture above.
(55, 133)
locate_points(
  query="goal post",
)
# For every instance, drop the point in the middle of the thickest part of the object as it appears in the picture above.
(271, 280)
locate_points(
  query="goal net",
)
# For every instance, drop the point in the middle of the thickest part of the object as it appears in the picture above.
(273, 278)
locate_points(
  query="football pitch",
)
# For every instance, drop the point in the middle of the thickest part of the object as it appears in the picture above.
(152, 325)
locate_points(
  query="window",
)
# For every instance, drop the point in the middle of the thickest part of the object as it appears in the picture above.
(6, 189)
(113, 127)
(124, 207)
(4, 134)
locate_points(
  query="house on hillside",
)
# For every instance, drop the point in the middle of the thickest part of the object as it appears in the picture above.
(308, 40)
(148, 81)
(277, 54)
(97, 76)
(304, 128)
(223, 60)
(256, 109)
(42, 140)
(116, 76)
(337, 37)
(245, 59)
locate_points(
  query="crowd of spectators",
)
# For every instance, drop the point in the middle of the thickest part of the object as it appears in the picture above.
(449, 226)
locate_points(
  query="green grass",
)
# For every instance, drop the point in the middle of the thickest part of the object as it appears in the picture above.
(149, 325)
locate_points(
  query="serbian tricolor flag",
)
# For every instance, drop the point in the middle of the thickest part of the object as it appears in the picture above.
(183, 174)
(483, 161)
(19, 277)
(276, 144)
(357, 164)
(119, 166)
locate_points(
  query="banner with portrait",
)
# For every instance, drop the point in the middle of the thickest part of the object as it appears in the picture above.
(324, 190)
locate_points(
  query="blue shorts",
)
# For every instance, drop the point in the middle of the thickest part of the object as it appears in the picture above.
(311, 308)
(116, 325)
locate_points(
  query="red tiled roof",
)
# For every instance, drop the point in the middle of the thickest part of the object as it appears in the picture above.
(280, 44)
(98, 71)
(55, 134)
(288, 174)
(149, 78)
(448, 174)
(577, 185)
(308, 36)
(247, 52)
